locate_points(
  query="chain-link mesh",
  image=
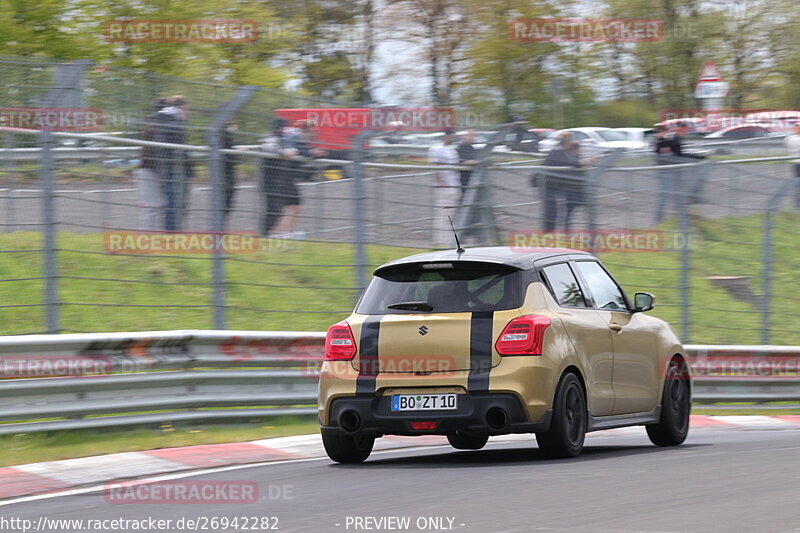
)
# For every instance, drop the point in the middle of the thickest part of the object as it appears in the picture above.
(714, 239)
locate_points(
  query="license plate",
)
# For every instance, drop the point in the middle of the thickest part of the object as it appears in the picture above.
(423, 402)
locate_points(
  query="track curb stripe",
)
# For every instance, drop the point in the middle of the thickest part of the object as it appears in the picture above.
(55, 476)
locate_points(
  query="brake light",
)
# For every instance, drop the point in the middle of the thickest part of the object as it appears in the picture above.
(523, 336)
(339, 343)
(423, 426)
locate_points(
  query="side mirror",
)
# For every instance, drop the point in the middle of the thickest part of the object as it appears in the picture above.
(643, 301)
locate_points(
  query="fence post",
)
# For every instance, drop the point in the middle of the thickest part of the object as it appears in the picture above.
(475, 216)
(359, 207)
(65, 89)
(9, 167)
(684, 227)
(591, 180)
(49, 237)
(766, 277)
(766, 259)
(217, 163)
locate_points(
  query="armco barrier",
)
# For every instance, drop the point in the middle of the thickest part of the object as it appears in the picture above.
(120, 379)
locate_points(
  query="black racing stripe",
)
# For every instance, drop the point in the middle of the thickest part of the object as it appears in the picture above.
(480, 351)
(368, 355)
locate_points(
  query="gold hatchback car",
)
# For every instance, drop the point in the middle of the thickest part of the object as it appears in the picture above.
(490, 341)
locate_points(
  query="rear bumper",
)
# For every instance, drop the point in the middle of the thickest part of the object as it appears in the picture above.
(375, 417)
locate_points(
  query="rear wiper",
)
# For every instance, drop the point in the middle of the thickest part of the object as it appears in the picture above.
(411, 306)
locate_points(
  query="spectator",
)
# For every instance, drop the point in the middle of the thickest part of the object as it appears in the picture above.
(151, 199)
(447, 189)
(669, 151)
(229, 163)
(567, 187)
(174, 166)
(300, 139)
(467, 156)
(273, 173)
(792, 143)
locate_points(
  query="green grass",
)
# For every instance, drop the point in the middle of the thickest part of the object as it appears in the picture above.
(721, 247)
(53, 446)
(303, 285)
(297, 285)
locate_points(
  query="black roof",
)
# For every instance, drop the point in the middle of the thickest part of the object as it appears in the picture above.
(518, 257)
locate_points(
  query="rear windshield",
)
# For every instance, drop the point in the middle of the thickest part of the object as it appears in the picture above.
(442, 288)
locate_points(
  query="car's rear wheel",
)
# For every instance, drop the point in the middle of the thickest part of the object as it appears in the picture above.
(347, 448)
(567, 430)
(467, 441)
(676, 405)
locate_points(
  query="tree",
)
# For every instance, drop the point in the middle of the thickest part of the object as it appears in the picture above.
(440, 30)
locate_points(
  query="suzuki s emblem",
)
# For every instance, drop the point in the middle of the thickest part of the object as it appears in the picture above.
(423, 330)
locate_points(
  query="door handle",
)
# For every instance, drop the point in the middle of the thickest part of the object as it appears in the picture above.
(615, 327)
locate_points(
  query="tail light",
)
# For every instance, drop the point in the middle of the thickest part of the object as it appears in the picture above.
(339, 343)
(423, 426)
(523, 336)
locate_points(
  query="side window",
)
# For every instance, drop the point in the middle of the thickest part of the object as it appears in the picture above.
(565, 287)
(605, 291)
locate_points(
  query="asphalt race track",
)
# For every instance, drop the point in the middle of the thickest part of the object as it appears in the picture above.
(745, 480)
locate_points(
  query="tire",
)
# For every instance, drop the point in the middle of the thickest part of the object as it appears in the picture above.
(348, 449)
(676, 405)
(467, 441)
(567, 430)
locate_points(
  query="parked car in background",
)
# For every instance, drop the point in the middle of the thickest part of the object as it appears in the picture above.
(541, 133)
(640, 135)
(594, 140)
(744, 131)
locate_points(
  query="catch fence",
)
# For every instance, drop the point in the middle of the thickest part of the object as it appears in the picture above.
(714, 239)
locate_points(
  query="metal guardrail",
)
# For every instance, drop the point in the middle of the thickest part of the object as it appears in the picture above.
(82, 381)
(121, 379)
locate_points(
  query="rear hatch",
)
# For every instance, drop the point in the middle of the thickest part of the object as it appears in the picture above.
(434, 317)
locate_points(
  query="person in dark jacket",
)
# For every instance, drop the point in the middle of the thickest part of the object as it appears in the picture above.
(151, 199)
(273, 174)
(229, 163)
(669, 151)
(175, 169)
(467, 155)
(563, 186)
(299, 140)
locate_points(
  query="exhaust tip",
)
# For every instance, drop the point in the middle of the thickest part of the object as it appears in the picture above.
(496, 418)
(350, 421)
